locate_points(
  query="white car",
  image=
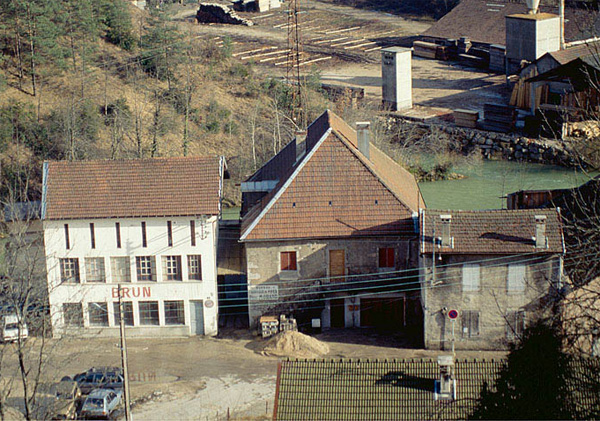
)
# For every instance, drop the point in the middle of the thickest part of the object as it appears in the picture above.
(101, 403)
(12, 329)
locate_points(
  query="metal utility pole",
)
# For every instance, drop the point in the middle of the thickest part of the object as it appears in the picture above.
(293, 78)
(124, 359)
(561, 15)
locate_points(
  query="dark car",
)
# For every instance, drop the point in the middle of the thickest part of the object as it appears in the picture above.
(99, 380)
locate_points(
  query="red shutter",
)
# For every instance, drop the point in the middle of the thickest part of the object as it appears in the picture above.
(288, 260)
(386, 257)
(390, 257)
(382, 258)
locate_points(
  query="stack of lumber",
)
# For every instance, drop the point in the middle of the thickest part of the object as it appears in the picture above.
(442, 53)
(497, 57)
(499, 118)
(466, 118)
(425, 49)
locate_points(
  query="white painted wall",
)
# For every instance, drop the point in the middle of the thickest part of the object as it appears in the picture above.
(131, 245)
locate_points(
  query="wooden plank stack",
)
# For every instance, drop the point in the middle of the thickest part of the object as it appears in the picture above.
(425, 49)
(466, 118)
(497, 57)
(498, 117)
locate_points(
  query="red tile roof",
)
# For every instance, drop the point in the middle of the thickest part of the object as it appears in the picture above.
(492, 231)
(335, 191)
(133, 188)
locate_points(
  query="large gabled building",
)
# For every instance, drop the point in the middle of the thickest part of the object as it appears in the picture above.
(144, 230)
(330, 229)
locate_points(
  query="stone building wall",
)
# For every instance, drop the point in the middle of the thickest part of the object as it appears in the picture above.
(492, 300)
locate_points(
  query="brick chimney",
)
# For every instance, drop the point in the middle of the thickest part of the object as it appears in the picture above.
(300, 144)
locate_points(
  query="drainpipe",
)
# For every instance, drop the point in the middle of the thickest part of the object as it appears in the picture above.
(561, 15)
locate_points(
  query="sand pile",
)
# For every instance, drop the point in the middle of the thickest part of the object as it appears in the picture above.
(294, 345)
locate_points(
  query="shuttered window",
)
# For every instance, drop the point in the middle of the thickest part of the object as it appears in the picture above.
(470, 277)
(515, 324)
(288, 260)
(516, 278)
(470, 323)
(386, 257)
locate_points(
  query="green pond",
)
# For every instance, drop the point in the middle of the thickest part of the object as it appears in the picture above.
(488, 181)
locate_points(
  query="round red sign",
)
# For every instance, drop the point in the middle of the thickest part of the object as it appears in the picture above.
(453, 314)
(209, 303)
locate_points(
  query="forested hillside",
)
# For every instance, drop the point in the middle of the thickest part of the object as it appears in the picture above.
(83, 79)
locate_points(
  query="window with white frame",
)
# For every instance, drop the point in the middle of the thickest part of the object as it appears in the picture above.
(174, 314)
(194, 267)
(470, 323)
(515, 324)
(98, 314)
(120, 268)
(146, 270)
(127, 313)
(73, 314)
(171, 266)
(69, 270)
(470, 277)
(148, 313)
(516, 278)
(94, 269)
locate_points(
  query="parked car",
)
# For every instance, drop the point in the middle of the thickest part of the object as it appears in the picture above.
(101, 403)
(12, 328)
(99, 380)
(67, 395)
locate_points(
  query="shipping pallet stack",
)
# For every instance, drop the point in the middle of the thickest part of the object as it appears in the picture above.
(499, 118)
(466, 118)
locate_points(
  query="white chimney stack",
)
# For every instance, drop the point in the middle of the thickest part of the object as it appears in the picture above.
(446, 234)
(363, 137)
(533, 5)
(300, 144)
(541, 241)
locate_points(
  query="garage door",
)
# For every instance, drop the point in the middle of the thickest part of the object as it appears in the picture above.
(382, 312)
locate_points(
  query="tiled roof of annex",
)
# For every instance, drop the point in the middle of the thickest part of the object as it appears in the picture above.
(376, 389)
(181, 186)
(492, 231)
(335, 191)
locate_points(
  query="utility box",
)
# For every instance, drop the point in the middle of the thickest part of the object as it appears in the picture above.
(530, 36)
(396, 78)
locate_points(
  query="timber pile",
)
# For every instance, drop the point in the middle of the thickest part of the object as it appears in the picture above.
(466, 118)
(497, 57)
(499, 118)
(218, 13)
(431, 50)
(425, 49)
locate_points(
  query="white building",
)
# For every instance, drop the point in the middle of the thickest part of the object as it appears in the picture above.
(146, 226)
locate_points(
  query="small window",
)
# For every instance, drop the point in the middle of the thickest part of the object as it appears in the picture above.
(118, 233)
(470, 277)
(92, 235)
(149, 313)
(94, 269)
(193, 232)
(386, 258)
(146, 269)
(127, 313)
(171, 266)
(67, 241)
(144, 237)
(288, 260)
(174, 313)
(120, 268)
(516, 278)
(73, 314)
(470, 324)
(69, 270)
(169, 234)
(515, 324)
(98, 313)
(195, 267)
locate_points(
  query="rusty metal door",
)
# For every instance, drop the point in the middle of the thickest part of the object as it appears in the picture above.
(337, 265)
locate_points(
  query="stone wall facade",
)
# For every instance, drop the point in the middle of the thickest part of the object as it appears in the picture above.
(269, 285)
(493, 301)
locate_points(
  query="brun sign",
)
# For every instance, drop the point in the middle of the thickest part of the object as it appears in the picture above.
(132, 292)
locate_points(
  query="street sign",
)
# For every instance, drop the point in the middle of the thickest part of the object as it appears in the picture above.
(453, 314)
